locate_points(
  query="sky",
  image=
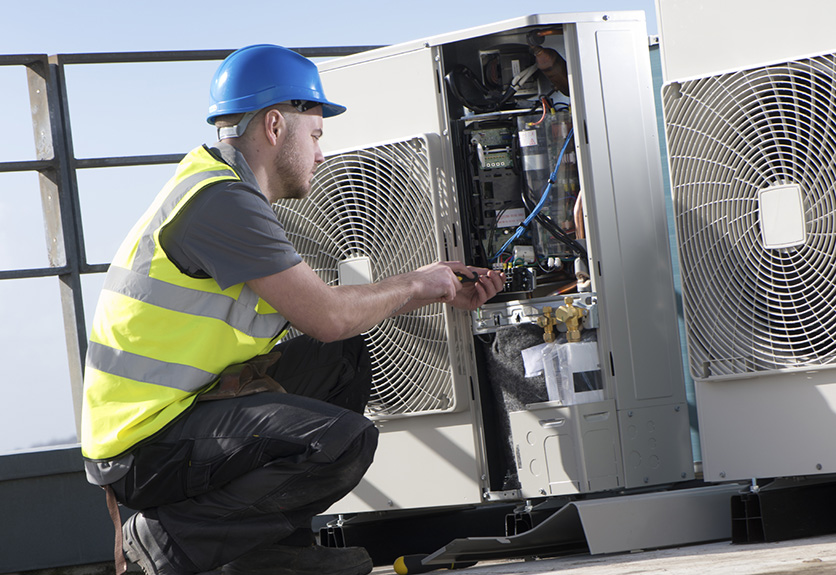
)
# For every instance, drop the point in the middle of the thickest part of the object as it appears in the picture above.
(133, 109)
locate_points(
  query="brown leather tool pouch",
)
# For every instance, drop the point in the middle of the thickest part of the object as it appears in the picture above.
(245, 378)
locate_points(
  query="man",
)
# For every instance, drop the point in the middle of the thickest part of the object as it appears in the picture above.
(197, 296)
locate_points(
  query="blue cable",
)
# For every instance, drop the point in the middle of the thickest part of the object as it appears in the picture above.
(521, 228)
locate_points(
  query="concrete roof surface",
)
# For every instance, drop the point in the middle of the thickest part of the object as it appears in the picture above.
(811, 556)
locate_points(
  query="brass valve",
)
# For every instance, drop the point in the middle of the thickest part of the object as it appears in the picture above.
(547, 321)
(572, 316)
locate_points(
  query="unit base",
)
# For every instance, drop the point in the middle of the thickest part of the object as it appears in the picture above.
(609, 525)
(785, 509)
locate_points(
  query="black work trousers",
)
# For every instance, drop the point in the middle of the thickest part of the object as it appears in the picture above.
(235, 474)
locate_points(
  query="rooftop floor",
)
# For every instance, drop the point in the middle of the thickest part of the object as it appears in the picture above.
(811, 556)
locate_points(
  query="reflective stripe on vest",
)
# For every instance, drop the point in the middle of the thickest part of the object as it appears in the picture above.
(159, 337)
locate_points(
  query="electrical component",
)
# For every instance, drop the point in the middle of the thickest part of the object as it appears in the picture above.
(520, 279)
(524, 197)
(524, 253)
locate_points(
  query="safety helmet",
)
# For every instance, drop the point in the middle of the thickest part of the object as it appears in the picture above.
(258, 76)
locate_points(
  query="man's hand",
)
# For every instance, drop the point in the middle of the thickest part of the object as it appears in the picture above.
(478, 286)
(461, 286)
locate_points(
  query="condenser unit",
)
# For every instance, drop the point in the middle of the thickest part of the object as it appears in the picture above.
(444, 153)
(751, 132)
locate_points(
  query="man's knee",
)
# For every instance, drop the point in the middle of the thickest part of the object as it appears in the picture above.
(368, 440)
(359, 456)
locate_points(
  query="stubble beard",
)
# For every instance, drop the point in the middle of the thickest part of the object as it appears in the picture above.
(292, 177)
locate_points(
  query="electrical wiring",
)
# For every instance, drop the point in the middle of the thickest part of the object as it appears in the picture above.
(546, 108)
(470, 92)
(556, 231)
(494, 229)
(521, 228)
(469, 215)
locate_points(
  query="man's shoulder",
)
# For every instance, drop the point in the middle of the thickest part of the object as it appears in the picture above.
(222, 197)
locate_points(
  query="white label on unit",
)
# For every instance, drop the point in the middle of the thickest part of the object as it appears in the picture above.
(355, 271)
(528, 138)
(781, 211)
(510, 218)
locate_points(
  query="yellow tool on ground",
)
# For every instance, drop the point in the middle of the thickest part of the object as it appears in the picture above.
(412, 564)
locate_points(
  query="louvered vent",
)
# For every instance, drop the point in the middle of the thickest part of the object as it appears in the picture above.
(371, 215)
(754, 189)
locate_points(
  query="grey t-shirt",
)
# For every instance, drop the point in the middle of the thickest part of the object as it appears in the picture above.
(228, 232)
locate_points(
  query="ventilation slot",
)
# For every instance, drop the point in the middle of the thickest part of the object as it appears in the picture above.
(754, 185)
(372, 210)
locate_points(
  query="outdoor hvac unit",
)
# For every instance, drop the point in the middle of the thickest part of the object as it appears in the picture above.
(446, 147)
(752, 146)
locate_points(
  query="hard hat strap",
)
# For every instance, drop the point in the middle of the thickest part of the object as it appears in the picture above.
(238, 129)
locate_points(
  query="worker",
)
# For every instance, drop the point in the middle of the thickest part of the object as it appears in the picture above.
(226, 442)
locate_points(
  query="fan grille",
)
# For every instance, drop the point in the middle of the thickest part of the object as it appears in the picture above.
(377, 203)
(750, 308)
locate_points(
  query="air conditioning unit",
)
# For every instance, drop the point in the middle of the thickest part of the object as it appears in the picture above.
(750, 120)
(446, 148)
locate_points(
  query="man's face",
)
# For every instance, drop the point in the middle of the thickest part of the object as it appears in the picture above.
(299, 154)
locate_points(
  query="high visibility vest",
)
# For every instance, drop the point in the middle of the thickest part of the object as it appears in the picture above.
(160, 337)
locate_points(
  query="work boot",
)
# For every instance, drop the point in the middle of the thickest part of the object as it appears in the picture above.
(310, 560)
(142, 548)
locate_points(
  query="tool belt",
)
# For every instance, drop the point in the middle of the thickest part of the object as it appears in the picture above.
(246, 378)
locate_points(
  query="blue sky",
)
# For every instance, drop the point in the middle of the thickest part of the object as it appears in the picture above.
(141, 109)
(57, 26)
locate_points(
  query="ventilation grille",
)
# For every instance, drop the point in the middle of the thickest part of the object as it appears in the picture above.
(376, 206)
(754, 304)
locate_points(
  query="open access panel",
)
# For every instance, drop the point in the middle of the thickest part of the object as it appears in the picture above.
(529, 146)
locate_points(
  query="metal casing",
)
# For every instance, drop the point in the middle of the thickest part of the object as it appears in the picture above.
(433, 460)
(772, 418)
(709, 37)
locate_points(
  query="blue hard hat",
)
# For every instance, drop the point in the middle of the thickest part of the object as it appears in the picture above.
(258, 76)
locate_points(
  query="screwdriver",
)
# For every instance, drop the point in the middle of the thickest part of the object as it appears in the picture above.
(467, 279)
(411, 565)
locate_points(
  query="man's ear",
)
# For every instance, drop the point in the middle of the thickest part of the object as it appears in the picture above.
(274, 125)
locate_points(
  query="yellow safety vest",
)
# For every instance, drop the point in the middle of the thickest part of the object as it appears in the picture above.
(160, 337)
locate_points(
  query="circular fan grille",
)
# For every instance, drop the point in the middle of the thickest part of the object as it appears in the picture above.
(750, 307)
(376, 204)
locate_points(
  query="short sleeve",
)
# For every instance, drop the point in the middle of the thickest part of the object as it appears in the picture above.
(229, 232)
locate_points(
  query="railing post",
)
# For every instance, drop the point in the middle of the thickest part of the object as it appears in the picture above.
(59, 199)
